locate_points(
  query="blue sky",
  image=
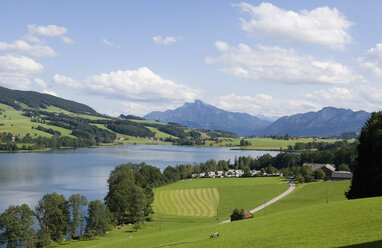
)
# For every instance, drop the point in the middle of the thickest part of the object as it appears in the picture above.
(266, 58)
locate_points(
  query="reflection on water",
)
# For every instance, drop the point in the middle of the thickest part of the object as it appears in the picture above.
(26, 177)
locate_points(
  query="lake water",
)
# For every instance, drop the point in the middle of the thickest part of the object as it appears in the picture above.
(26, 177)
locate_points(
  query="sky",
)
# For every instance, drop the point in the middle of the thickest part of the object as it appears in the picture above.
(270, 58)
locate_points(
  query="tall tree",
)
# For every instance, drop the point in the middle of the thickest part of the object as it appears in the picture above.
(16, 223)
(367, 177)
(53, 215)
(75, 206)
(84, 204)
(120, 180)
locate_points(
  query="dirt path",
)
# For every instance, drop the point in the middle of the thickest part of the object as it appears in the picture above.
(292, 186)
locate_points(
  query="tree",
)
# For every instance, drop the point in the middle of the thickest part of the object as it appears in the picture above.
(98, 220)
(367, 176)
(171, 174)
(136, 203)
(120, 179)
(84, 204)
(76, 212)
(237, 214)
(17, 225)
(319, 174)
(52, 213)
(343, 167)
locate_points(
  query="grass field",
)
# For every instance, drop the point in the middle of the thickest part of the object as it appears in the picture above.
(188, 202)
(266, 143)
(234, 193)
(301, 219)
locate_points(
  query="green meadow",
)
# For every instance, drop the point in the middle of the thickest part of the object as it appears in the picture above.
(14, 122)
(266, 143)
(304, 218)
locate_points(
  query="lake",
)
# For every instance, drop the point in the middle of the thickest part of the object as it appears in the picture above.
(26, 177)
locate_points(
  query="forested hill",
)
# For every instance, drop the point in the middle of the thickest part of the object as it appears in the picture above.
(202, 115)
(38, 100)
(328, 121)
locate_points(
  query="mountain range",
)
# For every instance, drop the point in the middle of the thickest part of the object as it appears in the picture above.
(328, 121)
(206, 116)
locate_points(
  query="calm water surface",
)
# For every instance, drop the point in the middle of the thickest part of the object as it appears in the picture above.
(26, 177)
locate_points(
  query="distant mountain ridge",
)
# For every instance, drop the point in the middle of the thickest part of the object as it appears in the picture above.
(39, 100)
(328, 121)
(206, 116)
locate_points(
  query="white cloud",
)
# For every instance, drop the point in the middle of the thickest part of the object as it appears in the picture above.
(68, 81)
(373, 60)
(49, 31)
(36, 32)
(263, 104)
(32, 50)
(40, 82)
(110, 44)
(67, 40)
(320, 26)
(16, 71)
(364, 96)
(169, 40)
(15, 80)
(19, 64)
(139, 85)
(279, 65)
(50, 92)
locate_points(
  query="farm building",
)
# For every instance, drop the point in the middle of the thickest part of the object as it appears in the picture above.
(330, 171)
(342, 175)
(327, 168)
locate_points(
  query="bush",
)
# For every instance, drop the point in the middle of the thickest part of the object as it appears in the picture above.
(237, 214)
(319, 174)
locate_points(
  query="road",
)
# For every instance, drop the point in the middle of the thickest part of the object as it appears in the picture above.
(292, 186)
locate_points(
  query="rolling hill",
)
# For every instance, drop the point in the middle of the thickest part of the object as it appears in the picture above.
(34, 99)
(205, 116)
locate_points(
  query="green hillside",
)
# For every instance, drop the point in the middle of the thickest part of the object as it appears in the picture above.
(34, 99)
(301, 219)
(34, 121)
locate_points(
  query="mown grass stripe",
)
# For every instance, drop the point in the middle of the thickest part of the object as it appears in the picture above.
(203, 206)
(196, 204)
(188, 202)
(208, 207)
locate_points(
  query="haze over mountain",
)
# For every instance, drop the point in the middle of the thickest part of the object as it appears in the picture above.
(325, 122)
(206, 116)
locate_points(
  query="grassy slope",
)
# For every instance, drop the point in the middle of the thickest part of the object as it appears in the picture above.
(245, 193)
(302, 219)
(16, 123)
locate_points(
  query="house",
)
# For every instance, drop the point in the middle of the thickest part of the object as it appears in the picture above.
(202, 174)
(211, 174)
(220, 174)
(341, 175)
(330, 171)
(239, 173)
(255, 172)
(195, 175)
(247, 214)
(327, 168)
